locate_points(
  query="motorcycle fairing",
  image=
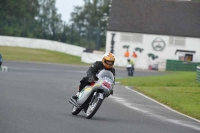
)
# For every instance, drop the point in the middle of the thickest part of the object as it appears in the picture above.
(85, 93)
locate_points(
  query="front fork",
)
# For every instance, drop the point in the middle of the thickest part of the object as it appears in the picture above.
(100, 96)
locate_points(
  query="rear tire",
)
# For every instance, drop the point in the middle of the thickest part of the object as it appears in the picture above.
(75, 110)
(92, 109)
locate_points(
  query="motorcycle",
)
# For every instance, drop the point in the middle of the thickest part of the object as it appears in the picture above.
(92, 96)
(130, 69)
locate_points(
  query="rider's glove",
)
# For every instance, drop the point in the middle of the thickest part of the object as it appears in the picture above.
(91, 79)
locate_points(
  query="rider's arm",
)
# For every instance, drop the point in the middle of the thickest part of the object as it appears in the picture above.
(92, 70)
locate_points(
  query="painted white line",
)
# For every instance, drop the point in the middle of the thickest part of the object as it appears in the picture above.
(129, 105)
(148, 113)
(161, 104)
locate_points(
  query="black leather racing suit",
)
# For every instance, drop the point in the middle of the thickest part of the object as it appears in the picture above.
(92, 71)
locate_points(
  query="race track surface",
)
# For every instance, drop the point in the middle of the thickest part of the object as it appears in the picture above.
(34, 99)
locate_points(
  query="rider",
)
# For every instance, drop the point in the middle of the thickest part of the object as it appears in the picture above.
(106, 63)
(130, 62)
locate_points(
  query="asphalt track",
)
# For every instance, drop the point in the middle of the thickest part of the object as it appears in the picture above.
(34, 99)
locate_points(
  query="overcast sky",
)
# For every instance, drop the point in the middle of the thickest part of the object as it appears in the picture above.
(65, 7)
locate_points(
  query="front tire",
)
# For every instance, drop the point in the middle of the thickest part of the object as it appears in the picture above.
(92, 109)
(75, 110)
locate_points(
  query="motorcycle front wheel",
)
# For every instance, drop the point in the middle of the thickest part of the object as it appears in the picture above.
(92, 109)
(75, 110)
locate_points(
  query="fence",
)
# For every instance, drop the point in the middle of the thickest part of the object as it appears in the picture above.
(198, 73)
(175, 65)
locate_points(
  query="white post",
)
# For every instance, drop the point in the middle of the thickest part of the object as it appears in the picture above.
(4, 68)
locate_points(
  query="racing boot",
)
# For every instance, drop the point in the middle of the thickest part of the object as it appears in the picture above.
(76, 96)
(111, 92)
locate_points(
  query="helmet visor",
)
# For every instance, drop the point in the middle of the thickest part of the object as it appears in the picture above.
(110, 63)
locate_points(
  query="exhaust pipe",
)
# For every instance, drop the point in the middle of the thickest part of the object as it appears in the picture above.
(72, 101)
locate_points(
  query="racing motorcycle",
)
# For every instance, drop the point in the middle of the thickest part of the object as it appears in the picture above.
(92, 96)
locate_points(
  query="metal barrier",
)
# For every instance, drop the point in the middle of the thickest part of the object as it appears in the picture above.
(198, 73)
(177, 65)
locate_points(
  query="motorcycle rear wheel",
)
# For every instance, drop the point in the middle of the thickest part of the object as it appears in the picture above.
(75, 110)
(92, 109)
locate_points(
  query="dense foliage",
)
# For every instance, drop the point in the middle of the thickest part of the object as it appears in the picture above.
(39, 19)
(91, 21)
(29, 18)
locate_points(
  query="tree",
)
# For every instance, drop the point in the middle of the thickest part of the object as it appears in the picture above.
(16, 17)
(91, 19)
(49, 20)
(30, 18)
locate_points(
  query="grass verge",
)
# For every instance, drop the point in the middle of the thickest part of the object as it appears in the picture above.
(38, 55)
(178, 90)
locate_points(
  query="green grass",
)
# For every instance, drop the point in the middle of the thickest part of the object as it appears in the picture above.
(38, 55)
(179, 90)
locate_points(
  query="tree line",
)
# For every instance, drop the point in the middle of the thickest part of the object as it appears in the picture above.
(40, 19)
